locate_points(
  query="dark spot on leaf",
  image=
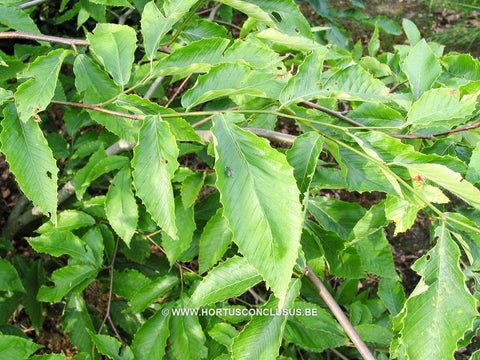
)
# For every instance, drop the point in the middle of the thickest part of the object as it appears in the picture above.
(428, 257)
(228, 171)
(277, 16)
(279, 68)
(297, 30)
(50, 175)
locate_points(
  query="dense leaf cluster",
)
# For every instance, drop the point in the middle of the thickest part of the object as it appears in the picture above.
(169, 197)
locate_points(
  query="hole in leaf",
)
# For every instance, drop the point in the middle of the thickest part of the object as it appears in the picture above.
(279, 68)
(50, 175)
(428, 257)
(277, 16)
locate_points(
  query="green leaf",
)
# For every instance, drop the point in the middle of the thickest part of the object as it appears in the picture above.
(462, 66)
(465, 231)
(185, 222)
(411, 30)
(226, 80)
(154, 27)
(266, 222)
(229, 279)
(97, 165)
(186, 337)
(199, 56)
(9, 280)
(155, 162)
(92, 80)
(422, 68)
(34, 95)
(442, 298)
(342, 261)
(94, 240)
(442, 175)
(76, 321)
(473, 172)
(121, 207)
(402, 212)
(224, 334)
(150, 340)
(305, 84)
(215, 240)
(336, 215)
(17, 19)
(68, 220)
(114, 45)
(316, 332)
(254, 52)
(32, 280)
(374, 43)
(251, 10)
(122, 3)
(374, 334)
(371, 243)
(151, 292)
(110, 346)
(261, 338)
(441, 107)
(303, 158)
(292, 42)
(390, 291)
(31, 161)
(66, 279)
(59, 243)
(191, 186)
(15, 347)
(355, 83)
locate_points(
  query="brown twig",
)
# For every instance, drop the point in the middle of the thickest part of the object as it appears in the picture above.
(110, 295)
(341, 317)
(178, 90)
(99, 109)
(177, 264)
(398, 136)
(333, 113)
(55, 39)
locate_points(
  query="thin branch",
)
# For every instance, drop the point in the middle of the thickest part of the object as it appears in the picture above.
(178, 90)
(228, 24)
(41, 37)
(258, 298)
(339, 354)
(31, 3)
(337, 311)
(55, 39)
(213, 12)
(333, 113)
(442, 133)
(151, 90)
(185, 22)
(99, 109)
(398, 136)
(110, 290)
(123, 18)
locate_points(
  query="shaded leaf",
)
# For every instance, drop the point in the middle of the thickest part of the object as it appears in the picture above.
(15, 347)
(68, 220)
(151, 292)
(9, 279)
(31, 161)
(121, 207)
(77, 321)
(316, 332)
(151, 339)
(215, 240)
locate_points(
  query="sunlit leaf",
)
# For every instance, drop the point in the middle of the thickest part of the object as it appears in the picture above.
(265, 222)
